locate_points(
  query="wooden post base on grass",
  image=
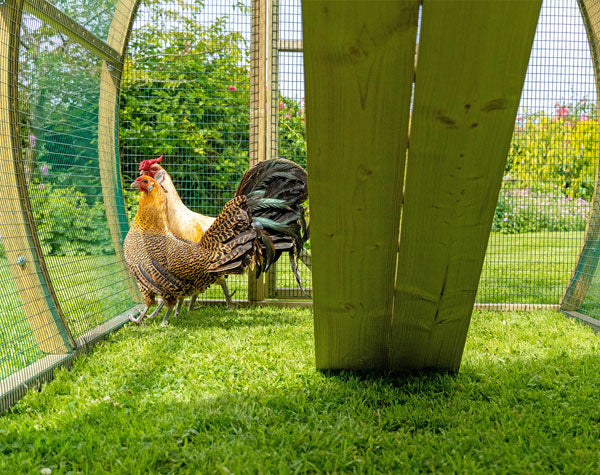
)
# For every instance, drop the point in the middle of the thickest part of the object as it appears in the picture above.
(377, 307)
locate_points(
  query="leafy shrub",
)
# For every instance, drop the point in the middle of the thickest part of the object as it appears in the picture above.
(556, 151)
(524, 210)
(292, 131)
(185, 95)
(67, 225)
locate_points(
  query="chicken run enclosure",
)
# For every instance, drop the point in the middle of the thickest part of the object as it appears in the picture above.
(89, 88)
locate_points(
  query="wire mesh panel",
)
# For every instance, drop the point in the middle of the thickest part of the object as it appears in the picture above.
(544, 202)
(62, 271)
(186, 96)
(28, 317)
(288, 134)
(583, 292)
(93, 15)
(59, 100)
(545, 199)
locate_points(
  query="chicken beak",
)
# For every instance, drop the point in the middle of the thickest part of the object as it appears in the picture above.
(135, 184)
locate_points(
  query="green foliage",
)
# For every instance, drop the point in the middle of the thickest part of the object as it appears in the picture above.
(58, 104)
(236, 391)
(292, 131)
(556, 151)
(66, 224)
(185, 95)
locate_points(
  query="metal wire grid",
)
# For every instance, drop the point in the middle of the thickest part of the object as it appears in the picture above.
(186, 95)
(288, 134)
(93, 15)
(56, 256)
(18, 347)
(59, 121)
(544, 201)
(583, 292)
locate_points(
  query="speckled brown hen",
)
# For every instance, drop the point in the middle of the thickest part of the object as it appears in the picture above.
(182, 221)
(265, 218)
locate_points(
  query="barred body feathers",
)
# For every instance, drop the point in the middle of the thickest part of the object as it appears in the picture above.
(264, 219)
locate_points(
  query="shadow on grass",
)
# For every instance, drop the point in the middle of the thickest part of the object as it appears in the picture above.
(522, 414)
(194, 397)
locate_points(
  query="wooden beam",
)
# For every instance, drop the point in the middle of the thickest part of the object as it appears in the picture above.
(589, 321)
(587, 262)
(17, 226)
(359, 66)
(473, 56)
(272, 131)
(258, 111)
(291, 46)
(108, 158)
(54, 17)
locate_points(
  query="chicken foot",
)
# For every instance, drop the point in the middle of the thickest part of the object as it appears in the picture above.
(165, 319)
(142, 315)
(294, 265)
(228, 296)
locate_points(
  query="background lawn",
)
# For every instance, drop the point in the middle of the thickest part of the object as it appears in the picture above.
(528, 268)
(236, 391)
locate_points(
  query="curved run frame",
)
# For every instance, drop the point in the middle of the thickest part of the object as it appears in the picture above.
(587, 262)
(17, 227)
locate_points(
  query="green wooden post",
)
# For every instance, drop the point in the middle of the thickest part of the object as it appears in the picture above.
(472, 61)
(110, 173)
(359, 67)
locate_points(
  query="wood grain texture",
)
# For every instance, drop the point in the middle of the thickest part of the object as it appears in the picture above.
(359, 66)
(587, 261)
(110, 173)
(473, 56)
(17, 226)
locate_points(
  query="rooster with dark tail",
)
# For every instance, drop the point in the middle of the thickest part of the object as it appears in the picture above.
(265, 219)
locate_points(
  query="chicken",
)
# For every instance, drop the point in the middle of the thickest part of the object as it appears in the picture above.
(264, 219)
(181, 221)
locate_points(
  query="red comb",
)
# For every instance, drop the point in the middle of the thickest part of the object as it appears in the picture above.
(146, 164)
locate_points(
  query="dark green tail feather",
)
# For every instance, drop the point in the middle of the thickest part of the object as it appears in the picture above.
(276, 191)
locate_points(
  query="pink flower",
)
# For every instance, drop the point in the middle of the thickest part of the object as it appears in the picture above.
(281, 105)
(44, 170)
(41, 186)
(562, 112)
(287, 116)
(519, 119)
(32, 141)
(232, 88)
(584, 117)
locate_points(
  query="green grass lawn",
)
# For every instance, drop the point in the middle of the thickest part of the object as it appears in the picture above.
(529, 268)
(522, 268)
(235, 391)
